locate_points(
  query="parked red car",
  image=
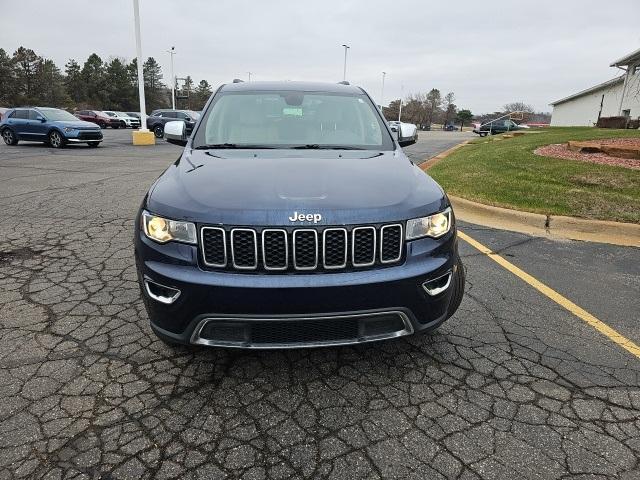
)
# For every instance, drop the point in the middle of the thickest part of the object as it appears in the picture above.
(99, 118)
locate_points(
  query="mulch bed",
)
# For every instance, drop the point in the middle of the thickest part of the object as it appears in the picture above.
(561, 150)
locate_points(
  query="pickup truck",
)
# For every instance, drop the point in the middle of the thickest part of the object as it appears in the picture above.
(495, 127)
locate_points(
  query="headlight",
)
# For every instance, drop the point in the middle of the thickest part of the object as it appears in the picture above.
(163, 230)
(68, 129)
(435, 225)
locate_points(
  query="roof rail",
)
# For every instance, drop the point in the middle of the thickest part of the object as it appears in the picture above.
(344, 82)
(238, 80)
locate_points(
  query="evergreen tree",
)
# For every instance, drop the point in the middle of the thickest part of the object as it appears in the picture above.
(7, 80)
(73, 81)
(26, 66)
(93, 77)
(201, 95)
(50, 88)
(154, 90)
(120, 91)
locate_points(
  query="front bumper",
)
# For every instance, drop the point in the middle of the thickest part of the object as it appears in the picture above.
(83, 136)
(378, 304)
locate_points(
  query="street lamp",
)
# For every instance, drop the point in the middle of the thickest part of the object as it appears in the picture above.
(400, 109)
(249, 76)
(172, 52)
(382, 91)
(344, 71)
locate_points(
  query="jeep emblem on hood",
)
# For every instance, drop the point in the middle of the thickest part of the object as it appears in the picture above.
(309, 217)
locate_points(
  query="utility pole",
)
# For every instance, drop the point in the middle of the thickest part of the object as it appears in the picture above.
(344, 71)
(172, 52)
(400, 109)
(143, 108)
(382, 91)
(249, 76)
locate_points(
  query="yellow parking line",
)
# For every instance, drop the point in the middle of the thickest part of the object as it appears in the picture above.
(582, 314)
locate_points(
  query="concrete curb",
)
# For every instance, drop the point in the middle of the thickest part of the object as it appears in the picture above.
(552, 226)
(426, 165)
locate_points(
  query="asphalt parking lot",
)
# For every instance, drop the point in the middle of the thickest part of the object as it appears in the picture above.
(513, 386)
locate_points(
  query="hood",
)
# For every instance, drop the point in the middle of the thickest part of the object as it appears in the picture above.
(266, 187)
(78, 124)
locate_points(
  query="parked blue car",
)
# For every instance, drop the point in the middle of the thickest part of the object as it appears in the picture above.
(49, 125)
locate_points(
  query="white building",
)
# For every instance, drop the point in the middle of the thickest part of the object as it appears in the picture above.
(619, 96)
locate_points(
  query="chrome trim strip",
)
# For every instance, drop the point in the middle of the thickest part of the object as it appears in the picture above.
(197, 340)
(160, 298)
(286, 249)
(255, 249)
(401, 242)
(224, 246)
(295, 264)
(324, 248)
(435, 291)
(353, 245)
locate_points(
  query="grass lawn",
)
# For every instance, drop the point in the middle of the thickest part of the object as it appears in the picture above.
(507, 173)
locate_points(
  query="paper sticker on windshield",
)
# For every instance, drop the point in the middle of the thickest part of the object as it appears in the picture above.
(297, 111)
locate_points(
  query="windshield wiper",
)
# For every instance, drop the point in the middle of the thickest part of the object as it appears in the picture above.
(316, 146)
(213, 146)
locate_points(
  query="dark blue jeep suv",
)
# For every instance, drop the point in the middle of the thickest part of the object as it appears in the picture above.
(294, 219)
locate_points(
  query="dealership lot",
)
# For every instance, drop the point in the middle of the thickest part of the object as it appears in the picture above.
(513, 386)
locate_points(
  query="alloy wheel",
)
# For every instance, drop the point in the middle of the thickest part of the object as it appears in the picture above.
(55, 139)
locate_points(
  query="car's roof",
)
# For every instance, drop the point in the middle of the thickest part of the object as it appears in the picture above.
(291, 86)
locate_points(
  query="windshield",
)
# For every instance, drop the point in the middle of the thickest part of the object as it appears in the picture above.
(57, 115)
(111, 114)
(192, 114)
(292, 119)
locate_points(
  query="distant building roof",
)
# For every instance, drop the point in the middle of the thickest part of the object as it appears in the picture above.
(608, 83)
(633, 57)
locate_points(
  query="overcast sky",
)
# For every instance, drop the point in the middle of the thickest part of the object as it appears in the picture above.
(487, 52)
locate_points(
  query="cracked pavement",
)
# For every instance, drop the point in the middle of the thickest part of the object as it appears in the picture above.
(513, 386)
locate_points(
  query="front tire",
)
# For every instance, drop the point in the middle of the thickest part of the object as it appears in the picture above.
(55, 139)
(158, 131)
(9, 137)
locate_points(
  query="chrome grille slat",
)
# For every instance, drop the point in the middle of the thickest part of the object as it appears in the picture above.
(361, 235)
(303, 249)
(266, 252)
(332, 265)
(212, 254)
(240, 259)
(389, 239)
(299, 245)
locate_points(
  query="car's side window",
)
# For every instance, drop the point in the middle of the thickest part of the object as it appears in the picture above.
(33, 115)
(170, 115)
(21, 114)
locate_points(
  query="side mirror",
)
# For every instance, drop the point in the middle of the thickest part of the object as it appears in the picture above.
(406, 143)
(175, 132)
(394, 133)
(42, 119)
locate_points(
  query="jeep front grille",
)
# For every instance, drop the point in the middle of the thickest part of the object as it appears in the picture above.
(301, 249)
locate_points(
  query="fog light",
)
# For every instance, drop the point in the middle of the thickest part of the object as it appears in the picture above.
(437, 285)
(161, 293)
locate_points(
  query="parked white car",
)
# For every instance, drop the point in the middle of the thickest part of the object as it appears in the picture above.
(129, 121)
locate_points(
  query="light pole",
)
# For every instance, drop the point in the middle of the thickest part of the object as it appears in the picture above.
(382, 91)
(143, 108)
(400, 109)
(172, 52)
(344, 71)
(249, 76)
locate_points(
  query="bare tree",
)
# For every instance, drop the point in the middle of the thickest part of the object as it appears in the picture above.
(448, 107)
